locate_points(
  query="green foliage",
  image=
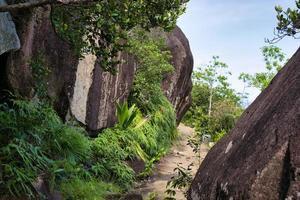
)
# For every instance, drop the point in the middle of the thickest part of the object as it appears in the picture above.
(215, 106)
(215, 77)
(20, 166)
(212, 73)
(217, 136)
(274, 60)
(152, 196)
(146, 139)
(110, 159)
(33, 141)
(288, 23)
(101, 27)
(153, 62)
(87, 190)
(125, 115)
(40, 72)
(224, 115)
(181, 180)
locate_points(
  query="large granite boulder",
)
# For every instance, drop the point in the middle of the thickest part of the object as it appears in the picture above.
(260, 158)
(178, 85)
(79, 87)
(9, 39)
(39, 40)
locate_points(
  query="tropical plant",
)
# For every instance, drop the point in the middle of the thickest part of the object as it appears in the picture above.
(125, 115)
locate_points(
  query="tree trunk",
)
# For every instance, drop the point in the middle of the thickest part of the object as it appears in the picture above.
(260, 158)
(210, 101)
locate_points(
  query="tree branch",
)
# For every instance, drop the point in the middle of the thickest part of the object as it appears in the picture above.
(37, 3)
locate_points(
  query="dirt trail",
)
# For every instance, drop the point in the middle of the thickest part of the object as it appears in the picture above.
(180, 153)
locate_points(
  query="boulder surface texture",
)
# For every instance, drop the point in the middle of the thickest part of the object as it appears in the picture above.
(260, 158)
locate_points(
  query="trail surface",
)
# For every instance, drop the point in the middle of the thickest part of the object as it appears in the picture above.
(182, 154)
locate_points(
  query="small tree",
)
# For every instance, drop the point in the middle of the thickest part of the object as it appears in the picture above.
(212, 75)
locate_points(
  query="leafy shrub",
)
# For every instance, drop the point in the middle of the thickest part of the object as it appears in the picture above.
(153, 63)
(181, 180)
(110, 159)
(112, 21)
(224, 114)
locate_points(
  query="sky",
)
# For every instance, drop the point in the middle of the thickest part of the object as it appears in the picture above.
(235, 30)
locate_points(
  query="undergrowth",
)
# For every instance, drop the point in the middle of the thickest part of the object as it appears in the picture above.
(35, 142)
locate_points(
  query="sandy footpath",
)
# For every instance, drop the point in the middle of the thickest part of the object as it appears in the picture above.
(180, 153)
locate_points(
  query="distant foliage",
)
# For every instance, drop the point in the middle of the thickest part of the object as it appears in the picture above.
(215, 106)
(274, 60)
(102, 27)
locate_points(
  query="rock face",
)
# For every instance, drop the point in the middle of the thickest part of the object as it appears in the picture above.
(9, 39)
(178, 85)
(38, 39)
(79, 87)
(96, 92)
(260, 158)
